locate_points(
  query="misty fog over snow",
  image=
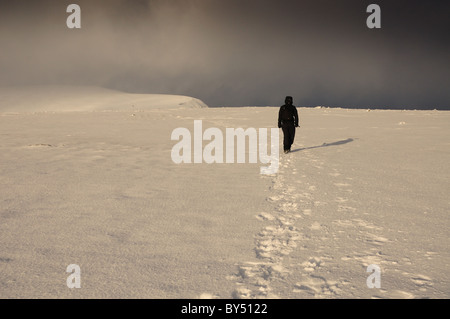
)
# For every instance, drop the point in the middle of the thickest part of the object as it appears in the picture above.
(235, 53)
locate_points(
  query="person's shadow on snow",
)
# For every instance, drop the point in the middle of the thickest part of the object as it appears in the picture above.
(324, 145)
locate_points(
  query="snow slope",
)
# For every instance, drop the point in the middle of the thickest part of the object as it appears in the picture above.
(60, 98)
(99, 189)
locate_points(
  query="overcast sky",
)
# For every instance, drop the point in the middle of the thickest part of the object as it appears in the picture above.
(236, 53)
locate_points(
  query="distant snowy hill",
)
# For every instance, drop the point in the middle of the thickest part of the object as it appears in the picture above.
(86, 98)
(101, 190)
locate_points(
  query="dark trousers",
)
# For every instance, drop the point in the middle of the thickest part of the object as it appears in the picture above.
(289, 135)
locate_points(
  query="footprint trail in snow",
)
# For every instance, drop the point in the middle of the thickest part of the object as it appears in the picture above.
(277, 239)
(316, 242)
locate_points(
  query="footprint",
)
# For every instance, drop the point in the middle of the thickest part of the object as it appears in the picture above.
(275, 198)
(375, 239)
(342, 208)
(254, 279)
(422, 281)
(242, 293)
(312, 264)
(274, 242)
(264, 217)
(316, 286)
(288, 207)
(253, 269)
(285, 222)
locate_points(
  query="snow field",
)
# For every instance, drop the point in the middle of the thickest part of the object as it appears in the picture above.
(99, 189)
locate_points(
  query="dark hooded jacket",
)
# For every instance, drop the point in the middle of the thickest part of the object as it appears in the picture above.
(288, 114)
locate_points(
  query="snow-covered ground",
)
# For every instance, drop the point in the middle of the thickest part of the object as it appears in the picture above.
(99, 189)
(57, 98)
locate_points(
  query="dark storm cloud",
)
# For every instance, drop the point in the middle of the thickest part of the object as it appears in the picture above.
(235, 52)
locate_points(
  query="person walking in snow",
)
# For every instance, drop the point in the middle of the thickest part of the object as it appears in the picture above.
(288, 121)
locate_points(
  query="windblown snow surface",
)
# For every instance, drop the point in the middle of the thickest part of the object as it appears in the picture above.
(99, 189)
